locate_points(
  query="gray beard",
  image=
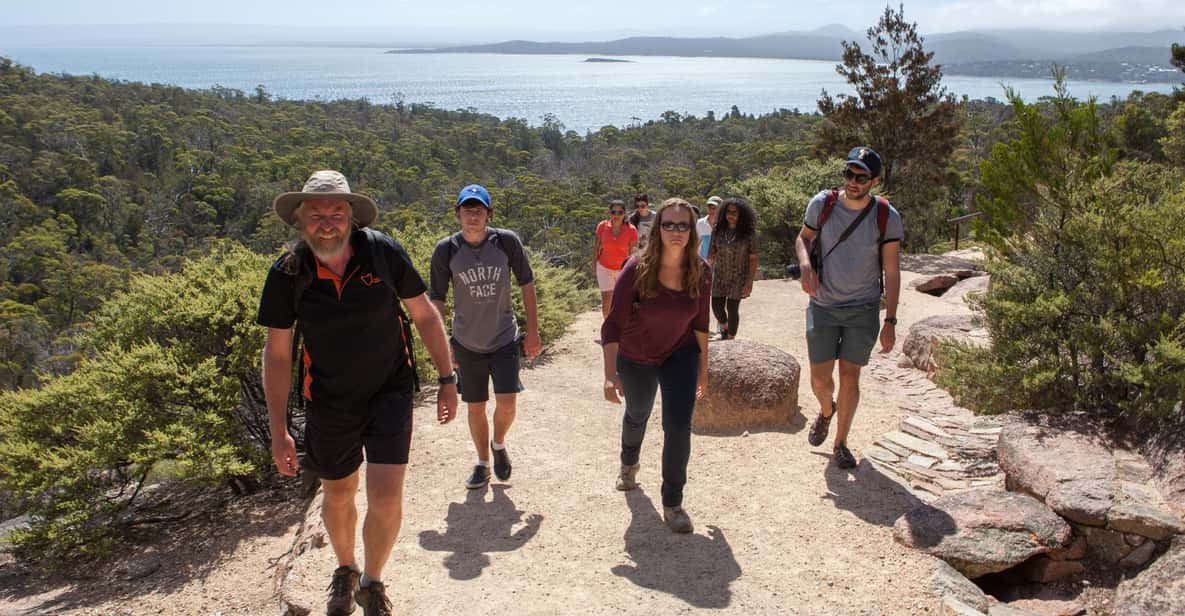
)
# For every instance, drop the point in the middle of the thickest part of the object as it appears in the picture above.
(323, 251)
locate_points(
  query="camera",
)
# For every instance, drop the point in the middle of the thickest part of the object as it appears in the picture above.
(794, 270)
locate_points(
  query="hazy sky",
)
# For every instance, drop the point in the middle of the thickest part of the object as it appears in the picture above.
(668, 17)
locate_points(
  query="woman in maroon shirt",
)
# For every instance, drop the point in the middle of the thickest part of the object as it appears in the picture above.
(656, 335)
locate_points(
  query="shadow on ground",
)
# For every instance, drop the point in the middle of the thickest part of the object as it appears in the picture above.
(796, 425)
(203, 531)
(697, 568)
(476, 528)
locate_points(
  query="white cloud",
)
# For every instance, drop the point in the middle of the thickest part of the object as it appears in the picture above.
(706, 11)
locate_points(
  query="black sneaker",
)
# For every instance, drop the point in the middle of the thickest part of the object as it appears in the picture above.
(341, 592)
(373, 599)
(843, 458)
(819, 427)
(501, 462)
(479, 478)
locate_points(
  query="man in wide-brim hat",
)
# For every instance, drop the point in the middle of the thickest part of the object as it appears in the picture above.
(341, 286)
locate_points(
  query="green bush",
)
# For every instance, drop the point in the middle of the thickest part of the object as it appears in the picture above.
(1087, 310)
(166, 365)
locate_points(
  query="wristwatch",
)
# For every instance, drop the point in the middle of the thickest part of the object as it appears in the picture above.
(891, 320)
(451, 379)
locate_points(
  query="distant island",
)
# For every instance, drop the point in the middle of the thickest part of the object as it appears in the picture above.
(1128, 57)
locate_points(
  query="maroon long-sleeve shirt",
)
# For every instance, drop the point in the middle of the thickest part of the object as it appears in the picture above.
(649, 330)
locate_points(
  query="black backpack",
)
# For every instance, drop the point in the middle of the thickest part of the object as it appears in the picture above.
(304, 273)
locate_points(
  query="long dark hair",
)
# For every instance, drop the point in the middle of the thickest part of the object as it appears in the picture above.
(650, 261)
(746, 219)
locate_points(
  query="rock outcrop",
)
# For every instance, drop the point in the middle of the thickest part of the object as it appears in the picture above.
(982, 531)
(1105, 490)
(1159, 589)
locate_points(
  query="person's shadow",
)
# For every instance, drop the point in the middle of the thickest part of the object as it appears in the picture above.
(695, 568)
(877, 499)
(476, 527)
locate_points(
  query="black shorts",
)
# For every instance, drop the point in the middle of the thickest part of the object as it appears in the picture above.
(475, 371)
(335, 438)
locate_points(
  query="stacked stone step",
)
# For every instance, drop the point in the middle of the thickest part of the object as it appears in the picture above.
(939, 446)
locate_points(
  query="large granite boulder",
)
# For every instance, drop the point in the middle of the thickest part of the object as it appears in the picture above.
(1074, 469)
(982, 531)
(750, 386)
(1158, 590)
(923, 345)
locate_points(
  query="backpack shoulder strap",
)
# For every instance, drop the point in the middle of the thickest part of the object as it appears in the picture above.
(375, 241)
(828, 205)
(882, 216)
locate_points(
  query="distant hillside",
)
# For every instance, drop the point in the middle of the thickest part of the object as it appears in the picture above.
(1110, 56)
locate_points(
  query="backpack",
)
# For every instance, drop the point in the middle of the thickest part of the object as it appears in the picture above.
(305, 273)
(882, 223)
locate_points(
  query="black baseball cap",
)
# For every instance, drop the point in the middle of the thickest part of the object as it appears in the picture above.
(867, 159)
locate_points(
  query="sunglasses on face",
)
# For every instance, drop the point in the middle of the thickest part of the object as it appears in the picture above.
(681, 227)
(859, 178)
(617, 212)
(732, 213)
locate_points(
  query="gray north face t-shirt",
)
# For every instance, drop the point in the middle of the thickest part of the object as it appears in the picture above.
(483, 308)
(851, 274)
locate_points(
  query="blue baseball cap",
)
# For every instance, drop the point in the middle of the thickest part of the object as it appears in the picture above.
(474, 192)
(867, 159)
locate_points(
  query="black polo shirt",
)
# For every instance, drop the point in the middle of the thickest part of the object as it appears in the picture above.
(354, 346)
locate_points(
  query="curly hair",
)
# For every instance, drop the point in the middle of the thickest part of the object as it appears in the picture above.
(746, 218)
(650, 261)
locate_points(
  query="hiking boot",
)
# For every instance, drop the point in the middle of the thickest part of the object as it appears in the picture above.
(843, 458)
(677, 519)
(819, 427)
(373, 599)
(479, 478)
(501, 462)
(628, 478)
(341, 591)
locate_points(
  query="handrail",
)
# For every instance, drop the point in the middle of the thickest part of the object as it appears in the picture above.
(958, 219)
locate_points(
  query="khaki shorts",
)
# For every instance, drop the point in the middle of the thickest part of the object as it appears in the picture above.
(606, 277)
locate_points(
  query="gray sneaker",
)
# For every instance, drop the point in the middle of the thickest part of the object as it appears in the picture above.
(479, 478)
(341, 591)
(677, 519)
(627, 479)
(502, 466)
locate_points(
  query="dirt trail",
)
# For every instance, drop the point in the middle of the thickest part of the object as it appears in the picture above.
(778, 529)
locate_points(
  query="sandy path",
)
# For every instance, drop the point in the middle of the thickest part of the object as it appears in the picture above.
(778, 529)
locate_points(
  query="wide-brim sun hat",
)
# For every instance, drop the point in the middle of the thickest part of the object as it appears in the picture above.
(326, 184)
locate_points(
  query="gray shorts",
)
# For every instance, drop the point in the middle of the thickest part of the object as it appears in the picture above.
(842, 332)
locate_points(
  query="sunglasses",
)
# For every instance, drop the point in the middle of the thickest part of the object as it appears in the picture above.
(859, 178)
(681, 227)
(617, 212)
